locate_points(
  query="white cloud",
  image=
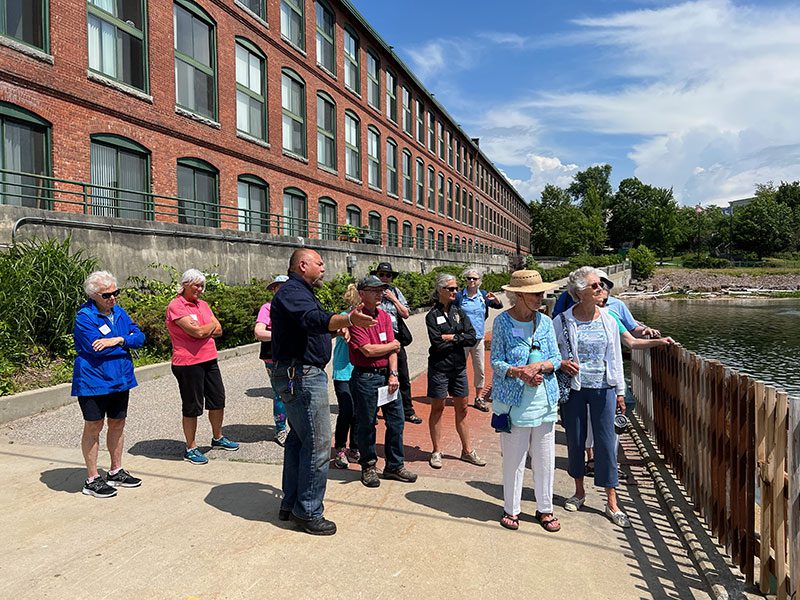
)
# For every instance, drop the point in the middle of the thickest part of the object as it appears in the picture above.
(441, 56)
(502, 38)
(544, 170)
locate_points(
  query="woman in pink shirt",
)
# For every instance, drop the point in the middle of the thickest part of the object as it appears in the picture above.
(192, 328)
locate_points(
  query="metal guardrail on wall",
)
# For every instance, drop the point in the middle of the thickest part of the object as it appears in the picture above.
(721, 432)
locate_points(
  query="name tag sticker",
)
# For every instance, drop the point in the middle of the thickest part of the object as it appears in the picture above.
(193, 317)
(517, 332)
(382, 336)
(105, 329)
(440, 320)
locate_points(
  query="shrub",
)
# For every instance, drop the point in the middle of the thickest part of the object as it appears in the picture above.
(705, 262)
(643, 261)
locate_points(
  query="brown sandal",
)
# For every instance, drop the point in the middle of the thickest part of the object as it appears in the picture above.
(550, 525)
(510, 522)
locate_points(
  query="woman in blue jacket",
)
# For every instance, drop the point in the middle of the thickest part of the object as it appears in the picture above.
(102, 378)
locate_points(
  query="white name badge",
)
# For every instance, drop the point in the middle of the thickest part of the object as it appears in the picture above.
(105, 329)
(193, 317)
(440, 320)
(517, 332)
(382, 336)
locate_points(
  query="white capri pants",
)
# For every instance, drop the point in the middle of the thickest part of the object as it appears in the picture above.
(478, 354)
(540, 443)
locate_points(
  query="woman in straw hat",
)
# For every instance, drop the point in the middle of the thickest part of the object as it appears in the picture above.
(524, 359)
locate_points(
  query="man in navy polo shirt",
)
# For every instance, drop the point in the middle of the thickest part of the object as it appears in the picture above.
(301, 347)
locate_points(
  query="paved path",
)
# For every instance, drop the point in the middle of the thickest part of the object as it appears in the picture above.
(211, 532)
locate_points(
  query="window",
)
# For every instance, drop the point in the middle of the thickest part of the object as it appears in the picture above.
(441, 194)
(408, 184)
(251, 104)
(293, 103)
(374, 157)
(391, 167)
(326, 40)
(326, 131)
(257, 6)
(391, 96)
(420, 241)
(352, 67)
(327, 219)
(407, 117)
(450, 246)
(449, 148)
(120, 174)
(253, 203)
(373, 80)
(431, 238)
(24, 20)
(198, 193)
(25, 149)
(431, 133)
(420, 183)
(440, 241)
(464, 205)
(420, 122)
(391, 231)
(457, 146)
(457, 204)
(295, 213)
(431, 189)
(374, 227)
(195, 64)
(292, 19)
(450, 198)
(469, 246)
(470, 209)
(440, 137)
(352, 146)
(353, 215)
(117, 40)
(408, 238)
(457, 244)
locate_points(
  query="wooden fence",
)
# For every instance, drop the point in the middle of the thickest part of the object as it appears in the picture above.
(728, 436)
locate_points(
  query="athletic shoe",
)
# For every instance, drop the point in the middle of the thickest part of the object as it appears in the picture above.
(369, 477)
(353, 456)
(280, 437)
(340, 462)
(481, 405)
(224, 443)
(473, 458)
(435, 460)
(574, 503)
(401, 474)
(195, 457)
(98, 488)
(123, 479)
(414, 418)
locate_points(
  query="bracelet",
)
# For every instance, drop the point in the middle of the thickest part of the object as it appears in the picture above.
(349, 320)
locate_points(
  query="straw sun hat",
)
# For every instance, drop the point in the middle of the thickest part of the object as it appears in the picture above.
(528, 282)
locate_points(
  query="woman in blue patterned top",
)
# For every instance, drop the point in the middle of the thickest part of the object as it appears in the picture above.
(524, 357)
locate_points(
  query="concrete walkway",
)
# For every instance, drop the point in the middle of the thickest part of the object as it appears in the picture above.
(212, 532)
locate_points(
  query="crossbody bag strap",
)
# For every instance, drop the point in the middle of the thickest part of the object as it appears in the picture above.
(566, 337)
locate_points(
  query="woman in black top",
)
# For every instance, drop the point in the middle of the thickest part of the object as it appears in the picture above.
(449, 331)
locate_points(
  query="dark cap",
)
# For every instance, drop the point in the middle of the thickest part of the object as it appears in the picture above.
(370, 281)
(386, 267)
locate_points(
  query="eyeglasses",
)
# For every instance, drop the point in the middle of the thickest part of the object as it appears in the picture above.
(452, 288)
(597, 286)
(382, 274)
(472, 278)
(107, 295)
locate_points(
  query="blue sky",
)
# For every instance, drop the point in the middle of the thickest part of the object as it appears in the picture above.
(701, 96)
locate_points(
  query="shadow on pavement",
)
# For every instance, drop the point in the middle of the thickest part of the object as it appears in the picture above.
(249, 500)
(259, 392)
(249, 433)
(68, 480)
(460, 507)
(163, 449)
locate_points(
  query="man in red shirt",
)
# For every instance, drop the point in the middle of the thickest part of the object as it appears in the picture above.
(373, 353)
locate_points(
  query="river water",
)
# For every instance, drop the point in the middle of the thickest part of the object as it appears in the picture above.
(760, 337)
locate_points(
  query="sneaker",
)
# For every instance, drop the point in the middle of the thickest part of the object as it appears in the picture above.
(98, 488)
(401, 474)
(414, 418)
(353, 456)
(473, 458)
(224, 443)
(195, 457)
(619, 518)
(435, 460)
(369, 477)
(340, 462)
(123, 479)
(574, 503)
(280, 437)
(481, 405)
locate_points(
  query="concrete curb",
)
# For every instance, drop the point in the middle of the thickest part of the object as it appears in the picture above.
(684, 529)
(33, 402)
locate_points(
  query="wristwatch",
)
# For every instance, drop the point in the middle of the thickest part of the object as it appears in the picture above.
(393, 373)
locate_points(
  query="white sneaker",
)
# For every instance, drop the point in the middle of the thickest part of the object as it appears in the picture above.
(435, 460)
(619, 518)
(574, 503)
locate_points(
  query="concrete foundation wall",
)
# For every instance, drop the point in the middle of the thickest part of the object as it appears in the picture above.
(126, 247)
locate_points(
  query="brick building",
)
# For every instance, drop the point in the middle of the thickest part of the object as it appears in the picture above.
(289, 117)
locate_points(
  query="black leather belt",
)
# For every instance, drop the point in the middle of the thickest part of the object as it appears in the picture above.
(378, 370)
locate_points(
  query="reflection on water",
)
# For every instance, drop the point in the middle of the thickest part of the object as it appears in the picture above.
(755, 336)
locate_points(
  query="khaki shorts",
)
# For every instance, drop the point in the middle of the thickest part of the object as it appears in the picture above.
(478, 353)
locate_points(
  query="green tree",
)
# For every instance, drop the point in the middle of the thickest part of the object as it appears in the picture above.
(558, 227)
(661, 222)
(592, 208)
(764, 227)
(627, 212)
(596, 176)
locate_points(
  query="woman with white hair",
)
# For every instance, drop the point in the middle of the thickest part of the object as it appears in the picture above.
(102, 378)
(192, 328)
(449, 331)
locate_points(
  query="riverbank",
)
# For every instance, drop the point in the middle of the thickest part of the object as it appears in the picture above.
(708, 283)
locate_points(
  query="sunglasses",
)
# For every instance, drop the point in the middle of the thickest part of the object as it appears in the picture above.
(473, 278)
(597, 286)
(382, 274)
(107, 295)
(452, 288)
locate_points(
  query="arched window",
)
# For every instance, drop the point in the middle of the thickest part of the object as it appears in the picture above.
(353, 215)
(327, 219)
(431, 189)
(450, 247)
(253, 203)
(408, 238)
(450, 198)
(420, 237)
(120, 173)
(326, 131)
(469, 246)
(352, 145)
(25, 157)
(293, 104)
(408, 186)
(198, 193)
(391, 232)
(251, 90)
(391, 167)
(431, 238)
(374, 227)
(195, 59)
(117, 42)
(295, 212)
(458, 244)
(326, 37)
(441, 193)
(440, 240)
(420, 183)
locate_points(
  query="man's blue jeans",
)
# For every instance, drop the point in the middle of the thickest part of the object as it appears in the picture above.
(602, 405)
(307, 453)
(364, 386)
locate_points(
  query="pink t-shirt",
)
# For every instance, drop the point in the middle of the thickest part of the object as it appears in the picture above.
(382, 333)
(187, 350)
(263, 316)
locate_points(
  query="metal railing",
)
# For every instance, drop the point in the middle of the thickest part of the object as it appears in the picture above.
(65, 195)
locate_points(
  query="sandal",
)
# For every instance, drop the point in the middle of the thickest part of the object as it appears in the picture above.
(510, 522)
(550, 525)
(588, 468)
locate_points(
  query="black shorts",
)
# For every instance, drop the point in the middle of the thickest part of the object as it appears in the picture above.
(113, 406)
(200, 385)
(441, 385)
